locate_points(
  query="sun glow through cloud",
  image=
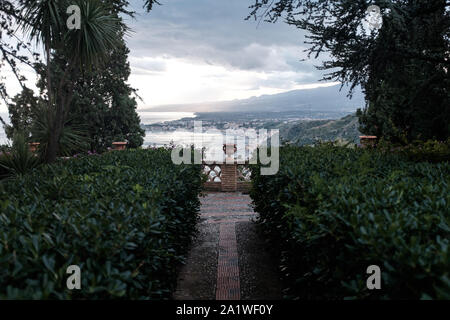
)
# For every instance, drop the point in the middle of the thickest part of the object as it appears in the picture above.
(166, 80)
(182, 53)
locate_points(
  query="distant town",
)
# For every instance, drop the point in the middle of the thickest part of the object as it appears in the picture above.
(297, 127)
(244, 120)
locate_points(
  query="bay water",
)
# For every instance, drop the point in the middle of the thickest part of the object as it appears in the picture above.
(151, 138)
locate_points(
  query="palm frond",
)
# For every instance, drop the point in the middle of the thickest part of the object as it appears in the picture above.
(73, 138)
(20, 159)
(43, 21)
(99, 33)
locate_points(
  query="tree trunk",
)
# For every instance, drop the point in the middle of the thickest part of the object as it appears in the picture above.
(52, 148)
(55, 135)
(62, 98)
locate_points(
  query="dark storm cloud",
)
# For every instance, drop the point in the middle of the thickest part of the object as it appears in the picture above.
(216, 32)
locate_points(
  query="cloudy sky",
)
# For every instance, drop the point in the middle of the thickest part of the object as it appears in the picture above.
(188, 51)
(205, 50)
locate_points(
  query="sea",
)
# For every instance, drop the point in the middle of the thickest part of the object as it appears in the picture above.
(211, 141)
(151, 138)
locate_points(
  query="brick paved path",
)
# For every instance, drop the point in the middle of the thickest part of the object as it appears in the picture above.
(213, 266)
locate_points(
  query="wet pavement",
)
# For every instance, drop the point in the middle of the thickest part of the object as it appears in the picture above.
(228, 260)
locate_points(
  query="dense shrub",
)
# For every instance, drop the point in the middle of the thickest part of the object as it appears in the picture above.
(419, 151)
(124, 217)
(19, 159)
(332, 212)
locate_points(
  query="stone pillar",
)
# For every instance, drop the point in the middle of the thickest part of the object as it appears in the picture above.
(229, 169)
(33, 146)
(368, 141)
(119, 145)
(229, 178)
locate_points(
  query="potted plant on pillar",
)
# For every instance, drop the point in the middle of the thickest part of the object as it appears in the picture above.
(230, 150)
(368, 141)
(229, 169)
(119, 145)
(33, 146)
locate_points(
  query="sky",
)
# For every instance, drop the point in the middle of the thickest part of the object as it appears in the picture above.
(188, 51)
(204, 50)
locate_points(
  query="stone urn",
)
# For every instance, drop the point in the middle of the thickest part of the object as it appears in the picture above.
(229, 150)
(119, 145)
(33, 146)
(368, 141)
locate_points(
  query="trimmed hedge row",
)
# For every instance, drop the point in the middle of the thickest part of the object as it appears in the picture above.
(419, 151)
(126, 218)
(332, 212)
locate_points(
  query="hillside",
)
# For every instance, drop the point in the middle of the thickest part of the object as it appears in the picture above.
(326, 99)
(307, 132)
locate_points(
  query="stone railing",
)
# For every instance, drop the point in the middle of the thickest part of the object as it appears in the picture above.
(227, 177)
(119, 145)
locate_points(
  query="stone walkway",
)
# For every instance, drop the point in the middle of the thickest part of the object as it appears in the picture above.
(228, 260)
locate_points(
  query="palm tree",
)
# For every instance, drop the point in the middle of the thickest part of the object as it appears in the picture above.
(44, 21)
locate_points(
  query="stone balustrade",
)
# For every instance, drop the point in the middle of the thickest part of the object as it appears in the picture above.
(227, 177)
(119, 145)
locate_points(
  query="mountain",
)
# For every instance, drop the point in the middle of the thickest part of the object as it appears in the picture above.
(308, 132)
(319, 99)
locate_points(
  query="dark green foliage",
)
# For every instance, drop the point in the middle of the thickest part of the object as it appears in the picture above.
(73, 139)
(44, 22)
(30, 115)
(22, 110)
(18, 160)
(333, 212)
(431, 151)
(104, 103)
(13, 55)
(402, 68)
(408, 78)
(126, 218)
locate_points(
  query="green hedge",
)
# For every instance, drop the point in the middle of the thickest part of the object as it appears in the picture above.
(126, 218)
(332, 212)
(419, 151)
